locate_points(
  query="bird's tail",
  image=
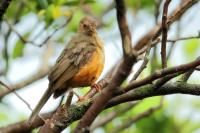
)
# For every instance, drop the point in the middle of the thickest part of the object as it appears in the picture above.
(41, 103)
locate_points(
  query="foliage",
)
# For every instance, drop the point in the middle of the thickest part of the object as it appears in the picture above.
(191, 48)
(53, 13)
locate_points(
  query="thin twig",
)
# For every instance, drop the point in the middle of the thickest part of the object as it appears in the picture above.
(156, 31)
(142, 67)
(154, 58)
(55, 31)
(187, 75)
(23, 100)
(158, 40)
(24, 40)
(136, 118)
(109, 117)
(41, 73)
(164, 34)
(144, 64)
(198, 68)
(61, 101)
(183, 38)
(172, 46)
(165, 79)
(32, 78)
(69, 99)
(157, 12)
(3, 7)
(161, 73)
(23, 126)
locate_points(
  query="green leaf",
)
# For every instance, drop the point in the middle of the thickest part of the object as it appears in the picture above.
(195, 103)
(151, 124)
(19, 46)
(97, 8)
(3, 116)
(49, 12)
(43, 4)
(18, 50)
(146, 104)
(76, 2)
(191, 47)
(140, 4)
(73, 25)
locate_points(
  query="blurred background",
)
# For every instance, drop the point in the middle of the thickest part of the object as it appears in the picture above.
(34, 32)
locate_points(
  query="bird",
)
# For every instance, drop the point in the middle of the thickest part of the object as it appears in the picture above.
(80, 63)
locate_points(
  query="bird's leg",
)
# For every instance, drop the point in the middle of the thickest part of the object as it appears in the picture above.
(97, 87)
(42, 118)
(80, 98)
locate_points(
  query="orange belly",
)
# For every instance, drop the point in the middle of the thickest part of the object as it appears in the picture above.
(90, 72)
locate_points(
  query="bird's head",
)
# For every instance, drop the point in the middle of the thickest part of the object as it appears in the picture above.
(87, 26)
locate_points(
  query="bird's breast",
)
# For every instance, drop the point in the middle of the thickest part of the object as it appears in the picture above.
(91, 71)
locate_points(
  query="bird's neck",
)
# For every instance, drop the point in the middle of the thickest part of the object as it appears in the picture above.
(93, 38)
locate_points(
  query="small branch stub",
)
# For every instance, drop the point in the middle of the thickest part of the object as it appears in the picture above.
(164, 34)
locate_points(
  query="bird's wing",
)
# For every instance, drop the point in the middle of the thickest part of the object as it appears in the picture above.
(76, 53)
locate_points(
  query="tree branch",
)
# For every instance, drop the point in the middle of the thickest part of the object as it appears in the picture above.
(156, 31)
(3, 7)
(184, 38)
(136, 118)
(169, 40)
(41, 73)
(159, 74)
(112, 115)
(22, 99)
(157, 4)
(164, 34)
(148, 91)
(144, 63)
(24, 126)
(36, 76)
(65, 112)
(121, 74)
(78, 109)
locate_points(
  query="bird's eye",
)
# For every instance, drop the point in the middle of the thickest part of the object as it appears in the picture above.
(84, 25)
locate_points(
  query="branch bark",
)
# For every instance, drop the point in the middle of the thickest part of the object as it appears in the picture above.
(3, 7)
(164, 34)
(137, 94)
(65, 114)
(148, 91)
(23, 126)
(160, 74)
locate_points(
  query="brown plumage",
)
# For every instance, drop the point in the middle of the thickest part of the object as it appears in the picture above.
(80, 63)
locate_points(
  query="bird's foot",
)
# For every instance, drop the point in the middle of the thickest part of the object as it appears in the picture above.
(43, 119)
(80, 98)
(30, 121)
(97, 87)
